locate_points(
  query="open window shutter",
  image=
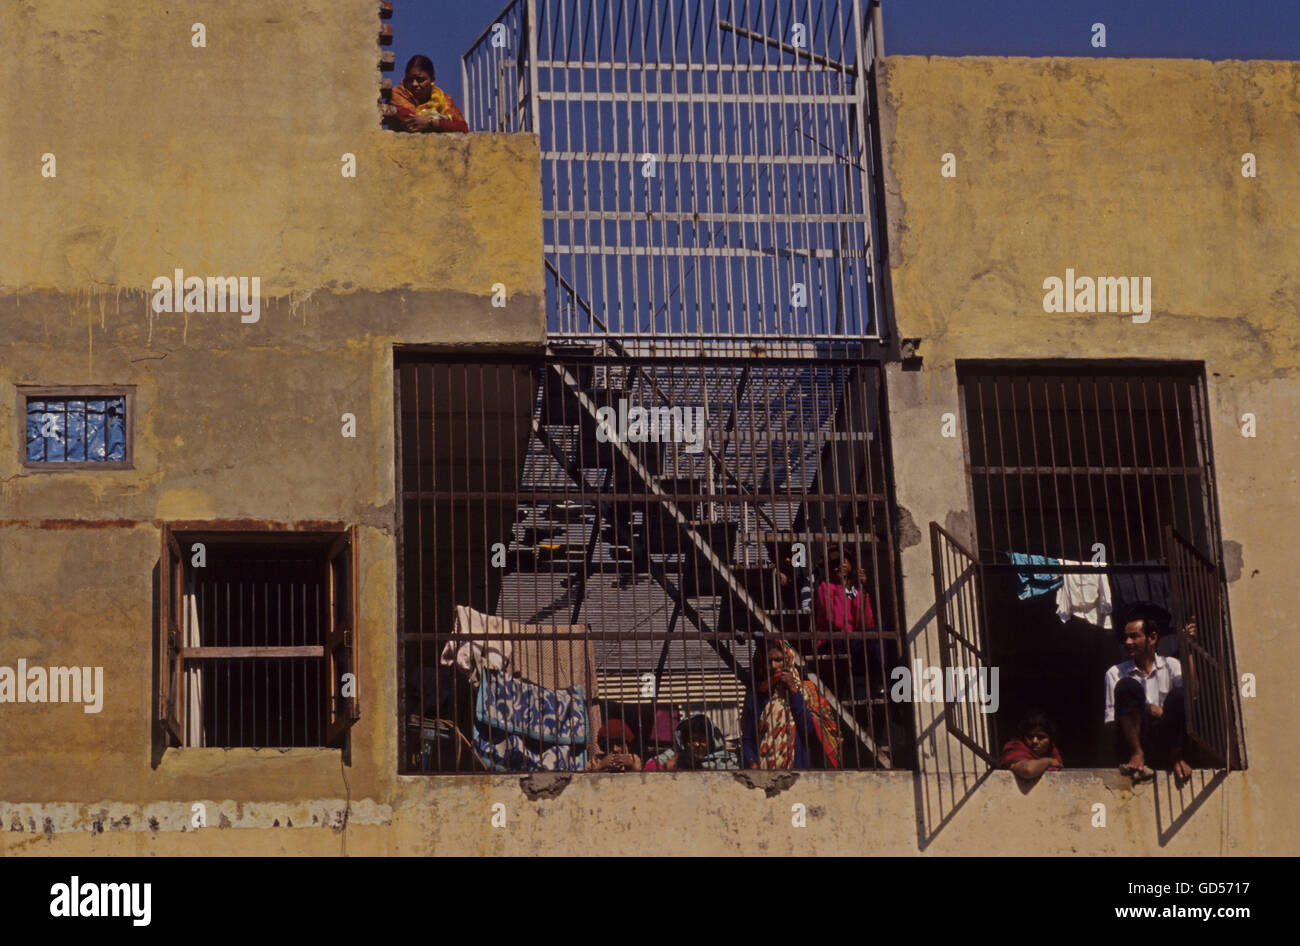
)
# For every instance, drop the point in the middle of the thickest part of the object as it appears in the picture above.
(963, 644)
(171, 588)
(1197, 592)
(344, 708)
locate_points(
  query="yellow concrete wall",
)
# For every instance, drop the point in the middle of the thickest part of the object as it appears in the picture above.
(227, 159)
(226, 424)
(1111, 167)
(223, 160)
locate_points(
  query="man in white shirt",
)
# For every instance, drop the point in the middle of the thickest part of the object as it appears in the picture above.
(1144, 696)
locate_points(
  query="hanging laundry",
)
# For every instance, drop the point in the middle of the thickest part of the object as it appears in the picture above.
(1084, 595)
(1030, 585)
(520, 726)
(1130, 588)
(478, 641)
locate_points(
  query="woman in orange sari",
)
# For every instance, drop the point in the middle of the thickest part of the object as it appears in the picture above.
(422, 107)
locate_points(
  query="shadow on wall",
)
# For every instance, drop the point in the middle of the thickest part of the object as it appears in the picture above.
(1174, 806)
(938, 794)
(946, 777)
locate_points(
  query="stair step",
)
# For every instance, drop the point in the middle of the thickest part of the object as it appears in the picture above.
(875, 701)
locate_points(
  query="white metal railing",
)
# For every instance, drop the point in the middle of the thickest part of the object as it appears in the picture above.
(708, 168)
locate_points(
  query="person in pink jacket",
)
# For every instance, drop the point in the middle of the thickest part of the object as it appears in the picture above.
(850, 666)
(842, 603)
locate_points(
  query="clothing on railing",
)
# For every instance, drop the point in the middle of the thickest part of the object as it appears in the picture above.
(565, 662)
(566, 659)
(1084, 595)
(1032, 585)
(482, 644)
(1129, 589)
(520, 726)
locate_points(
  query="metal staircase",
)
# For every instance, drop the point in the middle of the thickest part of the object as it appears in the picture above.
(644, 510)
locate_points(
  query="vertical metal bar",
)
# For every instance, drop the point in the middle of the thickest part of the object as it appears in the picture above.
(1069, 461)
(533, 85)
(1105, 477)
(1119, 466)
(1003, 463)
(466, 92)
(1126, 383)
(279, 667)
(264, 664)
(1037, 476)
(423, 624)
(1089, 477)
(1201, 459)
(242, 663)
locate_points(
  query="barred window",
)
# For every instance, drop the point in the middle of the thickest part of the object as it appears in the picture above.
(256, 637)
(1093, 491)
(77, 428)
(629, 545)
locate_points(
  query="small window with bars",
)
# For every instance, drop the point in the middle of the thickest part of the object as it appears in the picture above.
(76, 428)
(1093, 490)
(257, 637)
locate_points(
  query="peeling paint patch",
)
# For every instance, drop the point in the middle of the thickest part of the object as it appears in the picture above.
(908, 533)
(1232, 560)
(772, 783)
(70, 818)
(542, 785)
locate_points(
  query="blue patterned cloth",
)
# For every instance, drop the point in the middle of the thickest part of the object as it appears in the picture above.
(1034, 585)
(513, 754)
(521, 726)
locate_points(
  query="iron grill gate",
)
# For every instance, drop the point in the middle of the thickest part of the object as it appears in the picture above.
(1207, 678)
(708, 167)
(963, 643)
(642, 563)
(1091, 464)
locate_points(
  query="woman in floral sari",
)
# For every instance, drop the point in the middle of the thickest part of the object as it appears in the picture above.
(785, 714)
(421, 106)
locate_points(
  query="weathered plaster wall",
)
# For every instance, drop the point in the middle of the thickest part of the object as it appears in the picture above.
(895, 813)
(224, 160)
(235, 427)
(1111, 167)
(227, 159)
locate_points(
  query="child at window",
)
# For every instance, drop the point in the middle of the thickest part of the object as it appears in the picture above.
(1033, 751)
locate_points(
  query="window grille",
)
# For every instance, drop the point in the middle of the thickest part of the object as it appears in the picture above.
(645, 570)
(1105, 469)
(708, 166)
(256, 637)
(76, 428)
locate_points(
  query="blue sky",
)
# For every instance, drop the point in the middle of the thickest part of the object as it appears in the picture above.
(1199, 29)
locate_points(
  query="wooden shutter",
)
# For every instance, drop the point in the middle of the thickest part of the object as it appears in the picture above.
(344, 707)
(171, 588)
(1207, 686)
(963, 643)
